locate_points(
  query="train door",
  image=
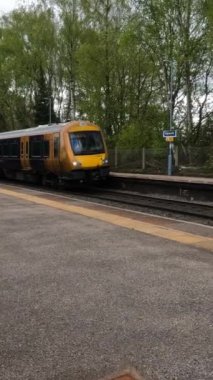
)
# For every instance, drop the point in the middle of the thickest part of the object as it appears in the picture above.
(22, 158)
(36, 154)
(27, 153)
(47, 153)
(24, 153)
(56, 152)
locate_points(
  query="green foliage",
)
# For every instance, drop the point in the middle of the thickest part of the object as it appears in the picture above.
(208, 12)
(122, 64)
(43, 110)
(145, 133)
(26, 48)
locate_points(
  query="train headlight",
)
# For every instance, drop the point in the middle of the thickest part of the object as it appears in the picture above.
(105, 162)
(76, 164)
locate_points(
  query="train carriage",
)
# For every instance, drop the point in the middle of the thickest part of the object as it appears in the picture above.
(65, 151)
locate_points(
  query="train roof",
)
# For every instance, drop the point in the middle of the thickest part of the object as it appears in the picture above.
(42, 129)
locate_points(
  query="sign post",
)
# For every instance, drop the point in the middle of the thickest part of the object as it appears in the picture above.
(170, 137)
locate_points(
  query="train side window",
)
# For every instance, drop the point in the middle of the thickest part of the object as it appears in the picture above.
(56, 147)
(5, 149)
(10, 142)
(36, 149)
(46, 148)
(14, 149)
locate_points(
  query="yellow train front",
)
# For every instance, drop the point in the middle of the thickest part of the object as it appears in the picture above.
(83, 152)
(66, 151)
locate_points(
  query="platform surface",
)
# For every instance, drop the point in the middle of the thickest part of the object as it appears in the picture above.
(161, 177)
(83, 298)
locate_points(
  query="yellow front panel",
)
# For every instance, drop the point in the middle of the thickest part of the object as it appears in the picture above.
(91, 161)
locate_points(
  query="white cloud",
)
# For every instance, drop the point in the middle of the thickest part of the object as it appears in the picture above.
(8, 5)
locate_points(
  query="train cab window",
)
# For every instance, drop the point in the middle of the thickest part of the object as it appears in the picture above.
(87, 142)
(56, 146)
(46, 148)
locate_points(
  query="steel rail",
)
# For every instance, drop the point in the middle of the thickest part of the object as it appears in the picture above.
(176, 206)
(202, 211)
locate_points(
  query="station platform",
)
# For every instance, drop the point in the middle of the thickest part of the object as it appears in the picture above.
(88, 291)
(189, 188)
(165, 178)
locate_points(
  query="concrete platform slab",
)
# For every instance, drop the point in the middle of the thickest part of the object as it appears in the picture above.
(81, 298)
(166, 178)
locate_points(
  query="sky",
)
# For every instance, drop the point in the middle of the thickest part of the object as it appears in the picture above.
(9, 5)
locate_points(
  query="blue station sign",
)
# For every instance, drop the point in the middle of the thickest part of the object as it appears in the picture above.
(171, 133)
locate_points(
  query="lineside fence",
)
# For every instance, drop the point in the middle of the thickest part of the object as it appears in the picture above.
(186, 161)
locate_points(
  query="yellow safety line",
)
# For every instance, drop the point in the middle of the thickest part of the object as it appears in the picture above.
(148, 228)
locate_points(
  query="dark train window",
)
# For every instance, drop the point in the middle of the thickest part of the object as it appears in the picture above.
(5, 149)
(56, 146)
(9, 148)
(46, 148)
(14, 149)
(36, 149)
(86, 142)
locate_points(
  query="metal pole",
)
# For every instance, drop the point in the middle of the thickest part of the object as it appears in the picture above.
(176, 156)
(171, 90)
(116, 157)
(170, 121)
(143, 159)
(50, 113)
(170, 159)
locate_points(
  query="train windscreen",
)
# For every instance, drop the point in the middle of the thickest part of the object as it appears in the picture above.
(86, 142)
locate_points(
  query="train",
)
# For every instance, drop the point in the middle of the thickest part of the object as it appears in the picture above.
(71, 151)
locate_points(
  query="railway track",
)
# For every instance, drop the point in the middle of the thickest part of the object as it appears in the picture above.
(166, 206)
(176, 207)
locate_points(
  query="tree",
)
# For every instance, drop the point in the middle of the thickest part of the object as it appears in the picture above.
(174, 36)
(44, 112)
(68, 42)
(98, 57)
(123, 64)
(27, 45)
